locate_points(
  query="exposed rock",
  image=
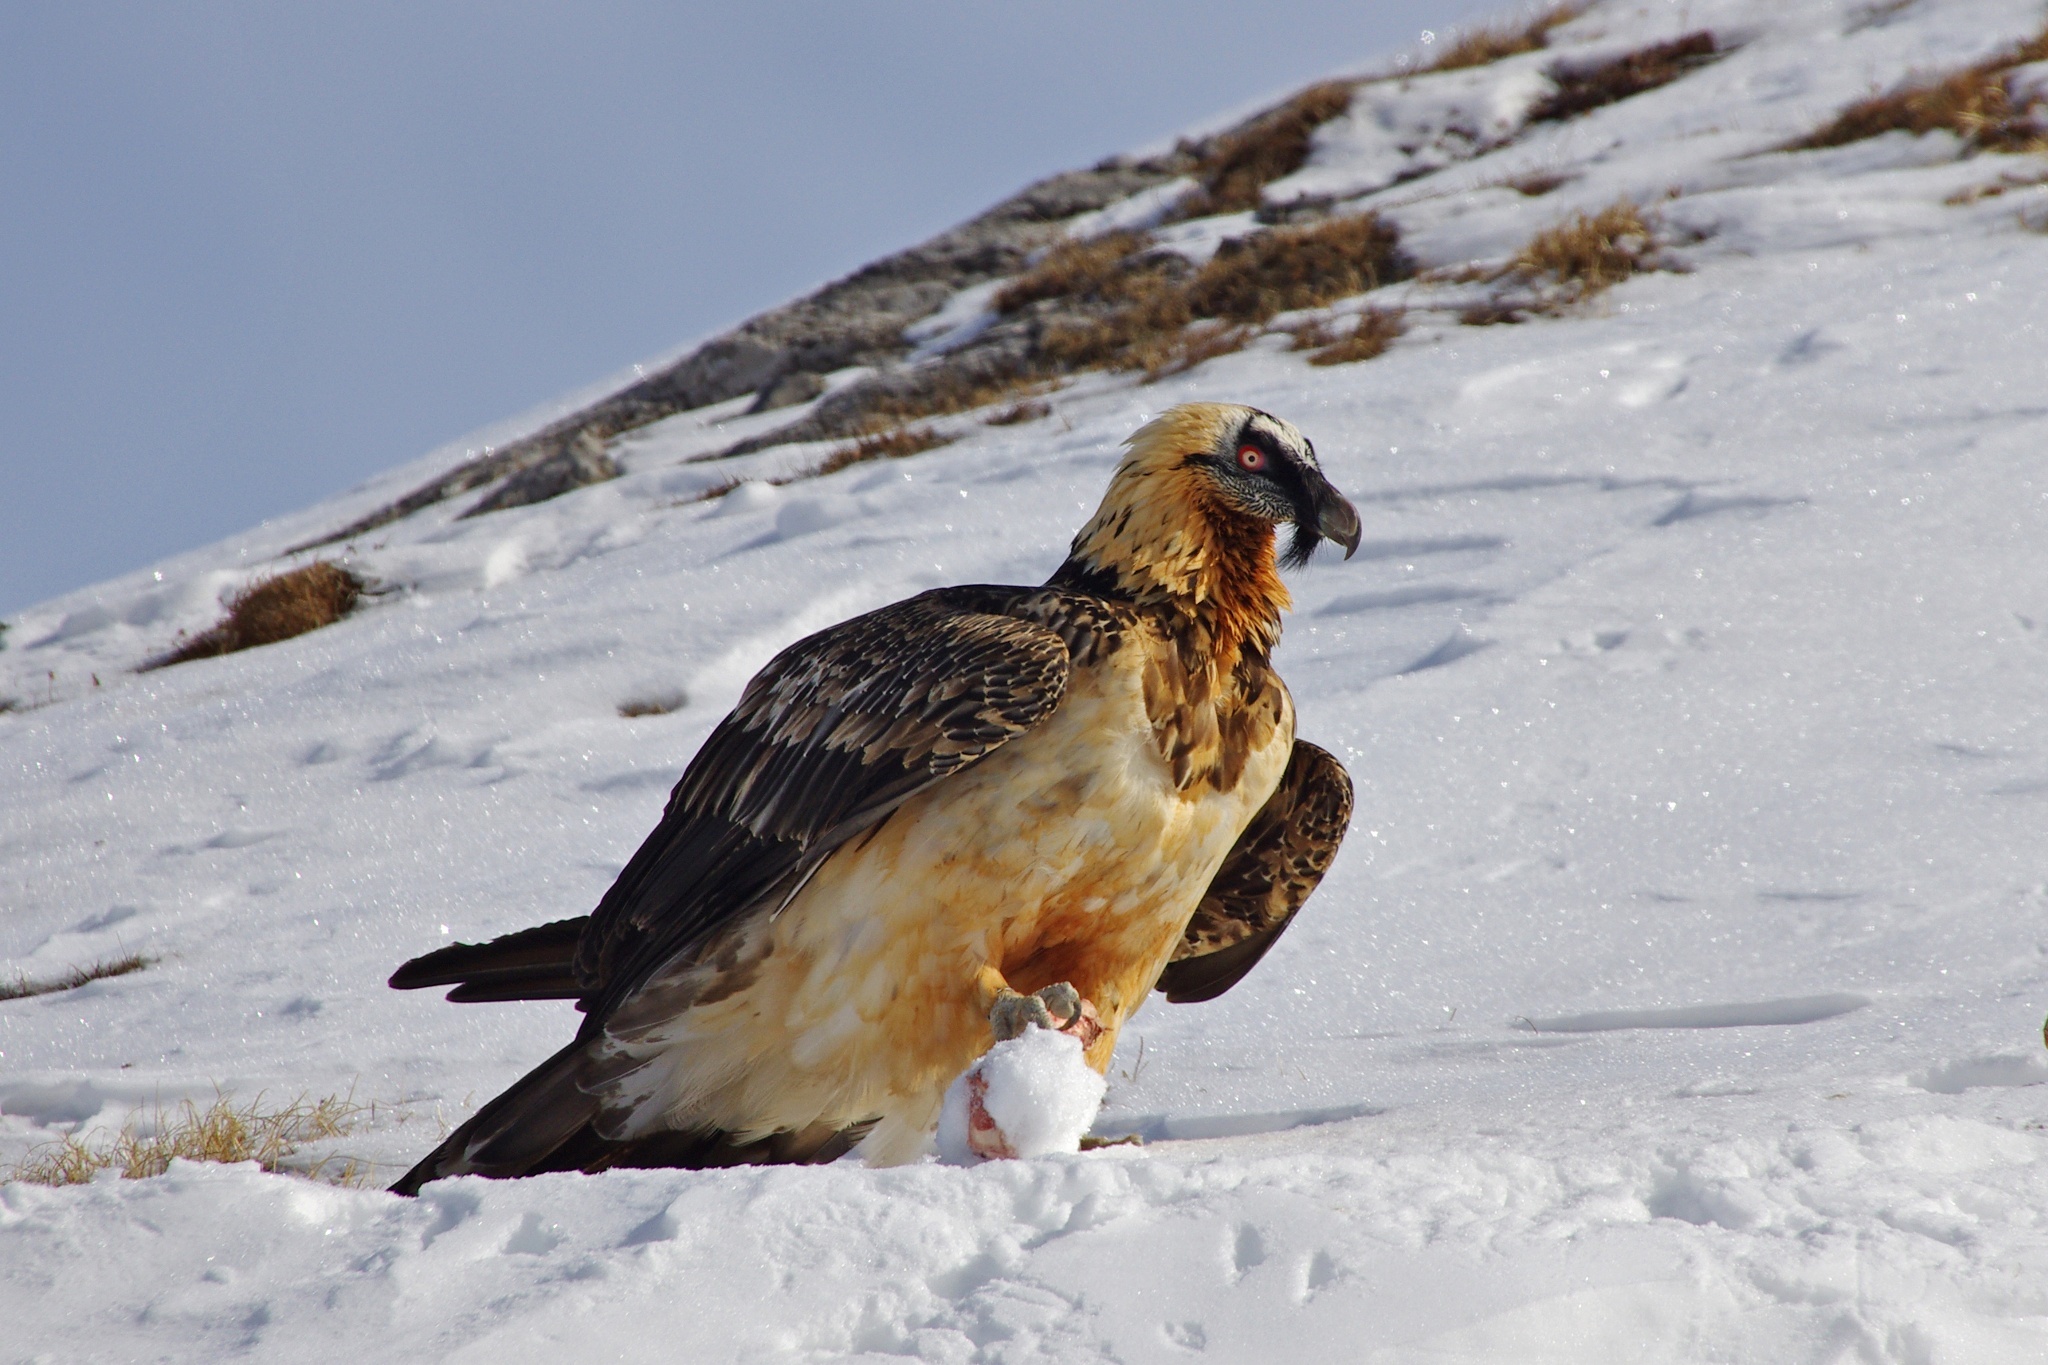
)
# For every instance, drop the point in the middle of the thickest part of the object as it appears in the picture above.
(581, 461)
(858, 320)
(787, 390)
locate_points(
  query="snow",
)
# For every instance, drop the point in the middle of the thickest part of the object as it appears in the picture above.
(1035, 1090)
(1677, 994)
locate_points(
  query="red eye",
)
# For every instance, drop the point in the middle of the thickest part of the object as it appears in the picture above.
(1251, 459)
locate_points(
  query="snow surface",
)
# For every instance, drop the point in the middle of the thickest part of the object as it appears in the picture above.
(1035, 1088)
(1676, 996)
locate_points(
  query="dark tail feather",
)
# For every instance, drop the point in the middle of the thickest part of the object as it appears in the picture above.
(546, 1123)
(517, 1132)
(533, 964)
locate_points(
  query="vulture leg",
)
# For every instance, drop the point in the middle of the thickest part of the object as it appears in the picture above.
(1058, 1007)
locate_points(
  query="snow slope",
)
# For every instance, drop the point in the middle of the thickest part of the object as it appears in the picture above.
(1677, 995)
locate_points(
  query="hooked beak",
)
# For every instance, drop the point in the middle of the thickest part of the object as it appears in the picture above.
(1336, 518)
(1320, 513)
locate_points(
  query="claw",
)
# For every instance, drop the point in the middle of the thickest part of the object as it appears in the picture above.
(1063, 1001)
(1012, 1013)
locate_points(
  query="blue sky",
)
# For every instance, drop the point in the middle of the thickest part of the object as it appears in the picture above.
(252, 253)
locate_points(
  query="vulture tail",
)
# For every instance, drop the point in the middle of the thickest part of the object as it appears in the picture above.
(533, 964)
(546, 1122)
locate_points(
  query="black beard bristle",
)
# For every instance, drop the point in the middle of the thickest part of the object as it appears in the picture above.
(1301, 546)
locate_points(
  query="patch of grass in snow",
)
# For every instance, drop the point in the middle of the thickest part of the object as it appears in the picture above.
(2005, 184)
(1584, 88)
(1085, 268)
(222, 1132)
(713, 493)
(1234, 168)
(1030, 410)
(1488, 43)
(1152, 313)
(22, 987)
(660, 704)
(1975, 104)
(1371, 333)
(1249, 279)
(1537, 183)
(897, 444)
(1590, 252)
(277, 608)
(1566, 264)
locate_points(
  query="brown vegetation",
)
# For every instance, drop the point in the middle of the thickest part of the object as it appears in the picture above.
(1537, 182)
(1374, 331)
(1072, 269)
(1030, 410)
(1582, 88)
(897, 444)
(1489, 43)
(273, 609)
(713, 493)
(23, 987)
(1146, 324)
(1252, 278)
(1237, 165)
(1588, 253)
(2005, 184)
(1973, 103)
(1110, 303)
(222, 1132)
(660, 705)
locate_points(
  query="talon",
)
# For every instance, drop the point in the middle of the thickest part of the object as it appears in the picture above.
(1012, 1013)
(1086, 1024)
(1063, 1001)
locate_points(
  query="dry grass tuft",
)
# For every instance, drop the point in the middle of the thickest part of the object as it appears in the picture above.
(1252, 278)
(222, 1132)
(22, 987)
(659, 705)
(897, 444)
(1581, 89)
(274, 609)
(1538, 182)
(1073, 269)
(1489, 43)
(1491, 313)
(1193, 346)
(2005, 184)
(1973, 103)
(1150, 313)
(1374, 331)
(713, 493)
(1589, 253)
(1237, 165)
(1030, 410)
(939, 391)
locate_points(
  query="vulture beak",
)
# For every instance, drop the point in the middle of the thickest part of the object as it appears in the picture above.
(1336, 519)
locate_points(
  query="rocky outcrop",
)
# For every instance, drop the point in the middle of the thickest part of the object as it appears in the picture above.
(782, 354)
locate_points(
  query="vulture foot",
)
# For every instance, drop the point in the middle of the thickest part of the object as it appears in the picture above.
(1058, 1007)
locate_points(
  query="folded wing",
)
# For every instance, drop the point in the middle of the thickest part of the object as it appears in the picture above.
(1271, 870)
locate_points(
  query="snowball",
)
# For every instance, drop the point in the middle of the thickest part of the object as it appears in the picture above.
(1035, 1089)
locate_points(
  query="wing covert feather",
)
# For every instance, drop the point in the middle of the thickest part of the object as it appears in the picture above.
(830, 737)
(1277, 861)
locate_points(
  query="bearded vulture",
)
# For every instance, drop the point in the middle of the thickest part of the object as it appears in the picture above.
(928, 827)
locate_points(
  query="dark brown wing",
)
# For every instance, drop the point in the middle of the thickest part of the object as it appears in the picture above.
(836, 732)
(1277, 861)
